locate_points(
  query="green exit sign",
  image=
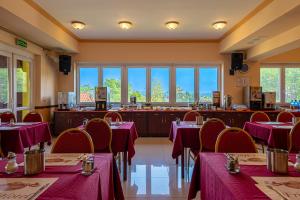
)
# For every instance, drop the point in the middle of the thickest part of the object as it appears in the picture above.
(21, 42)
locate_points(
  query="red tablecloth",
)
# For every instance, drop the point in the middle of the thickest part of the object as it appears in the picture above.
(273, 136)
(123, 138)
(216, 183)
(185, 135)
(24, 136)
(104, 184)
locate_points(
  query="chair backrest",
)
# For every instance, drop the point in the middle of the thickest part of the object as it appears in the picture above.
(208, 134)
(101, 134)
(114, 116)
(294, 139)
(33, 117)
(259, 117)
(191, 116)
(235, 140)
(73, 140)
(7, 116)
(285, 117)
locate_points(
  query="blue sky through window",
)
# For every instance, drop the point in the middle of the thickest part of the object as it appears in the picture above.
(208, 80)
(89, 76)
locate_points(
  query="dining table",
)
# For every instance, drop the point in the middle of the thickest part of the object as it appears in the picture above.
(17, 136)
(184, 135)
(273, 134)
(124, 135)
(254, 181)
(63, 180)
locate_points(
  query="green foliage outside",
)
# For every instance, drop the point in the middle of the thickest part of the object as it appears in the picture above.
(292, 84)
(157, 92)
(270, 81)
(3, 87)
(183, 96)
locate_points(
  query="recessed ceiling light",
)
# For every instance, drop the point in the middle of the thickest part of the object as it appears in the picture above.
(219, 25)
(172, 25)
(78, 25)
(125, 25)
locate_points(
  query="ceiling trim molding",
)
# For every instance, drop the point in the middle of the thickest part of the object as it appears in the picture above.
(43, 12)
(148, 41)
(260, 7)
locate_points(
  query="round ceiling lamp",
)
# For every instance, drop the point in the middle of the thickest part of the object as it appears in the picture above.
(219, 25)
(172, 25)
(125, 25)
(78, 25)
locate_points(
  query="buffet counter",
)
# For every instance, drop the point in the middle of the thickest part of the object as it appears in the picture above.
(154, 123)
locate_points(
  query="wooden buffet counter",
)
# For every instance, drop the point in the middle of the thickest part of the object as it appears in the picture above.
(152, 123)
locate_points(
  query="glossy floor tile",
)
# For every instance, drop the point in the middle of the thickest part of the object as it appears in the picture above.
(154, 174)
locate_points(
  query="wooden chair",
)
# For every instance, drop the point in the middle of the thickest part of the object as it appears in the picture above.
(235, 140)
(285, 117)
(73, 140)
(191, 116)
(7, 116)
(101, 134)
(33, 117)
(259, 116)
(114, 116)
(294, 139)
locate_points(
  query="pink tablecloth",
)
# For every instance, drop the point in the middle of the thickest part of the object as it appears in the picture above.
(24, 136)
(123, 138)
(272, 135)
(185, 135)
(217, 183)
(104, 184)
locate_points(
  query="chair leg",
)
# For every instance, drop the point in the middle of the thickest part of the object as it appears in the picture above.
(263, 148)
(188, 162)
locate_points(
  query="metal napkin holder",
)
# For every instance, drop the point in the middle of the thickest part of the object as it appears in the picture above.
(34, 161)
(277, 160)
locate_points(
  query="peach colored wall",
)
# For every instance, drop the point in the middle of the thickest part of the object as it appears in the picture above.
(175, 53)
(292, 56)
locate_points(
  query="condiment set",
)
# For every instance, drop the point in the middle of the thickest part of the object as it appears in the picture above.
(12, 165)
(297, 163)
(88, 165)
(177, 121)
(232, 164)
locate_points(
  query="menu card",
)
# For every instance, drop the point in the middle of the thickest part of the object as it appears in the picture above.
(287, 188)
(251, 158)
(24, 188)
(61, 159)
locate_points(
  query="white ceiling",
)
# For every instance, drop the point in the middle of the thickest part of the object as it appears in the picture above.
(148, 17)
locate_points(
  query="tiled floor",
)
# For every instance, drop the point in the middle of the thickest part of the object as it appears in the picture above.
(154, 174)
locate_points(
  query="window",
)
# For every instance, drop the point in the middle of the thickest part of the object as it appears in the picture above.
(270, 81)
(185, 84)
(112, 80)
(4, 82)
(208, 82)
(292, 84)
(88, 80)
(160, 84)
(137, 84)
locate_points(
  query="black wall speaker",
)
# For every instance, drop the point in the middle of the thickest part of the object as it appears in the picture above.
(237, 61)
(65, 64)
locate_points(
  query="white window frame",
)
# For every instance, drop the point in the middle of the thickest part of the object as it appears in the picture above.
(282, 67)
(148, 67)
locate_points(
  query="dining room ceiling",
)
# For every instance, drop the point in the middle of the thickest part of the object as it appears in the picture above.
(148, 17)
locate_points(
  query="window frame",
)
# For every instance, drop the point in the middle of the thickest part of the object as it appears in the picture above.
(282, 67)
(148, 67)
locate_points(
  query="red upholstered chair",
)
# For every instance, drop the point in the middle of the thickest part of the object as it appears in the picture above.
(114, 116)
(235, 140)
(73, 140)
(101, 134)
(7, 116)
(208, 135)
(191, 116)
(285, 117)
(259, 117)
(33, 117)
(294, 141)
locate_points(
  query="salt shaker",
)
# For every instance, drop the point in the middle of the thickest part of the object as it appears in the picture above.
(12, 165)
(87, 165)
(297, 163)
